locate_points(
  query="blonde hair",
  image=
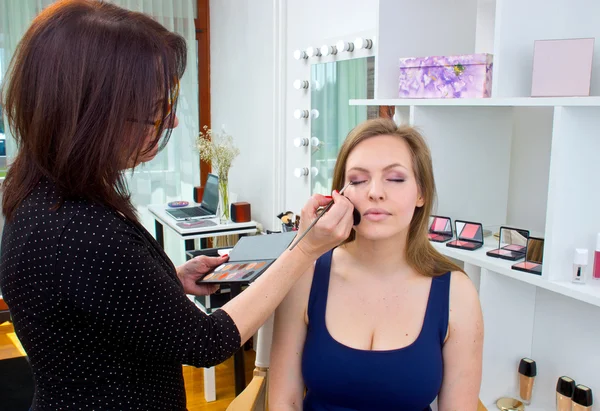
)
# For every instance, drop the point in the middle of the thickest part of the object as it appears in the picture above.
(420, 254)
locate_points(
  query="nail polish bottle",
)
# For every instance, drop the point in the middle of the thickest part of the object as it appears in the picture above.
(580, 261)
(582, 398)
(527, 373)
(596, 273)
(565, 387)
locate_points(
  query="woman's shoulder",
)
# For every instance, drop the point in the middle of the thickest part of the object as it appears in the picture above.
(463, 293)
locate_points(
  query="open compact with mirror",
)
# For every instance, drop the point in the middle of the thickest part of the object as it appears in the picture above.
(469, 235)
(534, 256)
(440, 229)
(512, 243)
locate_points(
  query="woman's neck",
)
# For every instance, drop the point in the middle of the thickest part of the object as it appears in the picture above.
(380, 256)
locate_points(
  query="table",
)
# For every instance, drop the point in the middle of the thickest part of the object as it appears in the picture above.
(162, 218)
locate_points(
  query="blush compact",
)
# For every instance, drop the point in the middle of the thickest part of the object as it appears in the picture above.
(469, 235)
(440, 229)
(534, 255)
(512, 243)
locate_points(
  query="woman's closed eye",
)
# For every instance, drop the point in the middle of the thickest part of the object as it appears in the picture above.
(397, 180)
(357, 182)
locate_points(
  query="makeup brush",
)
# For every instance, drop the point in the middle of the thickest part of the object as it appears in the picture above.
(327, 207)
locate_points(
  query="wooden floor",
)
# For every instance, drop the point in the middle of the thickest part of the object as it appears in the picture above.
(194, 377)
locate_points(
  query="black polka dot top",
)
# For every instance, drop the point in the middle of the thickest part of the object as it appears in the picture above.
(100, 311)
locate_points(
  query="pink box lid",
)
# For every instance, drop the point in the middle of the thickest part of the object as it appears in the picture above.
(436, 61)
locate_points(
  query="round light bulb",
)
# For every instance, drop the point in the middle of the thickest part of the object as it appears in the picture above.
(314, 141)
(313, 52)
(300, 142)
(299, 54)
(328, 50)
(314, 171)
(300, 84)
(344, 46)
(298, 114)
(314, 113)
(362, 43)
(299, 172)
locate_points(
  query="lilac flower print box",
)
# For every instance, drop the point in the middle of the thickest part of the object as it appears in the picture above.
(462, 76)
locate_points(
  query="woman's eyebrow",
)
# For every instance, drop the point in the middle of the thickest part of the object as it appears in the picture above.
(364, 170)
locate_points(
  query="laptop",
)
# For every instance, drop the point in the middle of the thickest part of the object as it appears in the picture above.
(206, 209)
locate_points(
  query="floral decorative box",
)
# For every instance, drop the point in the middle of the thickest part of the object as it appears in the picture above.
(462, 76)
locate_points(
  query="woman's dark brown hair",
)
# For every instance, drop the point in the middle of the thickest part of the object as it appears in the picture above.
(85, 87)
(420, 254)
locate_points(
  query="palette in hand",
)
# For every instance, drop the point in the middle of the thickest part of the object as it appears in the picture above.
(237, 271)
(469, 235)
(440, 229)
(249, 258)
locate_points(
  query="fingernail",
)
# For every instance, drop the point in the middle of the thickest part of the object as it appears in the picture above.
(336, 192)
(330, 197)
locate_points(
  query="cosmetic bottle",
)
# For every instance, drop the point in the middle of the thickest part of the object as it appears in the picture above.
(596, 274)
(582, 398)
(579, 264)
(565, 387)
(527, 373)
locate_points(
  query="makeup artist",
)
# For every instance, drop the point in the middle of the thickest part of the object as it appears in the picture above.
(99, 308)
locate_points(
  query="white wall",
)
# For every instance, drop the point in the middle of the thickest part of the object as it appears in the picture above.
(246, 37)
(242, 50)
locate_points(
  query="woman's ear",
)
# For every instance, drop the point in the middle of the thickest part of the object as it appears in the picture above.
(420, 201)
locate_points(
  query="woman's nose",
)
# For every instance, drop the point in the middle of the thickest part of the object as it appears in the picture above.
(376, 191)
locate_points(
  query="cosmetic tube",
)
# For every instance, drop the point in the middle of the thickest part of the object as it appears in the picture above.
(565, 387)
(527, 373)
(580, 261)
(582, 398)
(596, 274)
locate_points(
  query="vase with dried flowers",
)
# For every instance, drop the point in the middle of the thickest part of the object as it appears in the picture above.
(218, 149)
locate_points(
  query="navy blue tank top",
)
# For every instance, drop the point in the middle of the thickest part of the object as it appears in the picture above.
(341, 378)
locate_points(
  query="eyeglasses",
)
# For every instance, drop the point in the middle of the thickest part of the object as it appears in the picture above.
(171, 102)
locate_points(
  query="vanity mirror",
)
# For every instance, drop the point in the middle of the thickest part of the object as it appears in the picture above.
(332, 85)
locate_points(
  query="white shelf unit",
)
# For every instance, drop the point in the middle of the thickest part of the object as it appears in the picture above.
(511, 160)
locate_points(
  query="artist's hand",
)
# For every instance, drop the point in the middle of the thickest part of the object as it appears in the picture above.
(333, 228)
(197, 268)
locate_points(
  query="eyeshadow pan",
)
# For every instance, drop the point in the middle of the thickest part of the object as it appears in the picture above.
(514, 247)
(248, 275)
(469, 231)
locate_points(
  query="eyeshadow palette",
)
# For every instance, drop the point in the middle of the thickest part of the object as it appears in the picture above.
(249, 258)
(533, 257)
(469, 235)
(440, 229)
(238, 271)
(511, 244)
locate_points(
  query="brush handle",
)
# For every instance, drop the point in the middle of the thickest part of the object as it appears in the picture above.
(327, 207)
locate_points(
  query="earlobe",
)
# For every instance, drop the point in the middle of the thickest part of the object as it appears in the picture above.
(420, 201)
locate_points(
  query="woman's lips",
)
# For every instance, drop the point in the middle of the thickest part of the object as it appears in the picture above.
(376, 214)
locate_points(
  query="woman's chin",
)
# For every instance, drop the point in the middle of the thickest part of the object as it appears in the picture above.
(376, 233)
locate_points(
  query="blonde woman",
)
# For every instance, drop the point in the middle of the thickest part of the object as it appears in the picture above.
(383, 321)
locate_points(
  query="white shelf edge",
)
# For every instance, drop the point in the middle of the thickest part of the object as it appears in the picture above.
(592, 101)
(589, 292)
